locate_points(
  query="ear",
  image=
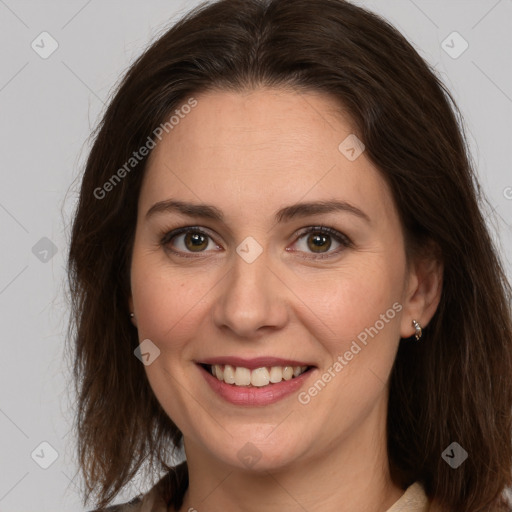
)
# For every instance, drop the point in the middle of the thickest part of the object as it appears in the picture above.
(422, 291)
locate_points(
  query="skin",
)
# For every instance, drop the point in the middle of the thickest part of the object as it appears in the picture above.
(250, 154)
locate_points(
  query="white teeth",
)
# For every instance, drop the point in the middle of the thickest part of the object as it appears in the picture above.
(242, 376)
(287, 372)
(229, 374)
(217, 372)
(276, 374)
(258, 377)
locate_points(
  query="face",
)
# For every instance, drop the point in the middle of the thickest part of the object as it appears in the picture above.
(261, 245)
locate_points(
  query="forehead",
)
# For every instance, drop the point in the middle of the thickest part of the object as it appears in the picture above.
(237, 148)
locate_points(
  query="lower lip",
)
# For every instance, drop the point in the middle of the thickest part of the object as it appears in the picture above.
(251, 395)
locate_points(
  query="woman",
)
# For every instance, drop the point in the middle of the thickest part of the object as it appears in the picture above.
(279, 265)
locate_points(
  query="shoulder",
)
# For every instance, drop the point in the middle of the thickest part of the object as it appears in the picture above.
(168, 490)
(152, 501)
(132, 506)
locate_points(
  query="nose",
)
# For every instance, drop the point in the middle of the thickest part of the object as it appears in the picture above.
(251, 299)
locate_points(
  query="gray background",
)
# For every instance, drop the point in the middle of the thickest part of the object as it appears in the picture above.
(48, 108)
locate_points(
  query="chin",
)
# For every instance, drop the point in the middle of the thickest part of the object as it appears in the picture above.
(252, 451)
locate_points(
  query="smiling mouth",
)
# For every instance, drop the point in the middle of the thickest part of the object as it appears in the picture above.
(258, 377)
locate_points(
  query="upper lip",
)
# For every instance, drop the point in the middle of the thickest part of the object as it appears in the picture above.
(251, 364)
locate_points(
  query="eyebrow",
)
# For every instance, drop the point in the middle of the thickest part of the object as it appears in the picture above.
(206, 211)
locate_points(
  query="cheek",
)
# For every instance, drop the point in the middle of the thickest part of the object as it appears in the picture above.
(345, 302)
(167, 301)
(361, 311)
(361, 306)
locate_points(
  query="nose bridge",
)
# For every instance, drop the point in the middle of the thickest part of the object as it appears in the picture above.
(251, 296)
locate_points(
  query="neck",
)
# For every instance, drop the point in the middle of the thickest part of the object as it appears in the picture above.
(350, 474)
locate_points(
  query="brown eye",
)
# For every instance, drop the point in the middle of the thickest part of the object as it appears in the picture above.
(319, 242)
(185, 241)
(196, 242)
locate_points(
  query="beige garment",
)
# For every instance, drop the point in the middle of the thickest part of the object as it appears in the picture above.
(413, 500)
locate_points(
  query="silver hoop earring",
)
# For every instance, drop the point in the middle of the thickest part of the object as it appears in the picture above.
(418, 330)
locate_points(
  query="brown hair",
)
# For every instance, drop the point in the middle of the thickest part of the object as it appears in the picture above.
(454, 385)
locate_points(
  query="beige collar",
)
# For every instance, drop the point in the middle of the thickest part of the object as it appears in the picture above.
(413, 500)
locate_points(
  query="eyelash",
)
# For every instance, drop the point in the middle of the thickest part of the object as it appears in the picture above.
(342, 239)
